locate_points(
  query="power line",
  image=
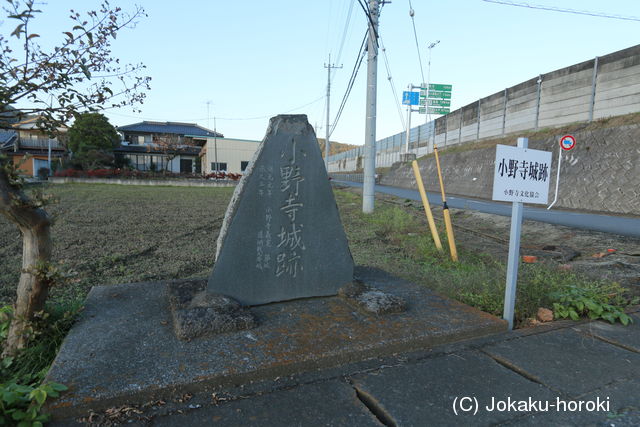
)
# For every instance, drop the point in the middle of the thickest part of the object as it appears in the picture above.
(352, 80)
(371, 25)
(415, 36)
(219, 118)
(393, 86)
(345, 30)
(563, 10)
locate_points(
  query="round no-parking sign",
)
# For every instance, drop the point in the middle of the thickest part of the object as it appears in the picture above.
(567, 142)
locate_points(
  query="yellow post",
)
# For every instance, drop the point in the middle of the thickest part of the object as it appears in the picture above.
(427, 207)
(445, 211)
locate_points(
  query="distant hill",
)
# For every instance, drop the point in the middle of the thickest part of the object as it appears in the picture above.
(335, 147)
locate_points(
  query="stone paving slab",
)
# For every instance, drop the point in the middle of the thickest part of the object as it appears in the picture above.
(623, 398)
(567, 361)
(123, 350)
(624, 336)
(329, 403)
(424, 394)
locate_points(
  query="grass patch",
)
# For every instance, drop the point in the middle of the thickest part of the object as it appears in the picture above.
(48, 330)
(394, 240)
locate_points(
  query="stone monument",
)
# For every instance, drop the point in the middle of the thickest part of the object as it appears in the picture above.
(282, 237)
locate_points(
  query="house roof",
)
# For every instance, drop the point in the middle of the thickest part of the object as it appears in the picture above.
(7, 137)
(31, 123)
(8, 115)
(176, 128)
(55, 152)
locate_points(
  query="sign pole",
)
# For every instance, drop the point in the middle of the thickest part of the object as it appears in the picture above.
(514, 254)
(406, 149)
(567, 143)
(555, 199)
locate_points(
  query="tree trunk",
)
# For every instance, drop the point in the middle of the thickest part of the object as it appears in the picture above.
(34, 224)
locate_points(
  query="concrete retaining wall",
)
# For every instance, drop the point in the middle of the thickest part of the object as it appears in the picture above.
(600, 87)
(601, 174)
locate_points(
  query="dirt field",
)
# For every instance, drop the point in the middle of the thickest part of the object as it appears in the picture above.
(108, 234)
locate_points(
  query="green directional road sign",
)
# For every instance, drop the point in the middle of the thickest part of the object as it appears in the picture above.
(438, 102)
(439, 94)
(422, 110)
(437, 86)
(434, 110)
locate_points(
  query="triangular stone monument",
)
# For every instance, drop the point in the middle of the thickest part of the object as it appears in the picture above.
(282, 238)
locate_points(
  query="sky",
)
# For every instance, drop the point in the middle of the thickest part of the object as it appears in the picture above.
(234, 64)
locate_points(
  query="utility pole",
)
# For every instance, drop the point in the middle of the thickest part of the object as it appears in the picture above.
(328, 66)
(430, 46)
(368, 188)
(215, 144)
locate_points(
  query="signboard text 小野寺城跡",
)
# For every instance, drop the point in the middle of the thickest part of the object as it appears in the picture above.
(521, 175)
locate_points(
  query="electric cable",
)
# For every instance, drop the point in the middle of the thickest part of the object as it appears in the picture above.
(352, 79)
(393, 86)
(563, 10)
(217, 118)
(368, 14)
(415, 36)
(345, 30)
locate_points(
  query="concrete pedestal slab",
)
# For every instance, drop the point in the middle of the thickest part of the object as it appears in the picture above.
(123, 349)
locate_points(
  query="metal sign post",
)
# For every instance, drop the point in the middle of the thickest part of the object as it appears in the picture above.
(521, 175)
(409, 98)
(567, 143)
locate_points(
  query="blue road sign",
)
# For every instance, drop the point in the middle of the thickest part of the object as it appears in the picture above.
(410, 98)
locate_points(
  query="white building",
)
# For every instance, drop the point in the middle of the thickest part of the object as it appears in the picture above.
(231, 155)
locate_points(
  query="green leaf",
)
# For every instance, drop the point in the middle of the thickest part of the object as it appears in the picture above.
(9, 397)
(85, 70)
(18, 30)
(59, 387)
(6, 362)
(39, 395)
(624, 319)
(18, 415)
(573, 315)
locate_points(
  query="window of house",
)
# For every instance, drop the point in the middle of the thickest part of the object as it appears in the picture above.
(243, 166)
(222, 166)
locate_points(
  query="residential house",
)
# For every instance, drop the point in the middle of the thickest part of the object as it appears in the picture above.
(27, 139)
(159, 146)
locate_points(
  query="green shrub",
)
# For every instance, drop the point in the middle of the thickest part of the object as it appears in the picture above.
(21, 404)
(22, 392)
(597, 301)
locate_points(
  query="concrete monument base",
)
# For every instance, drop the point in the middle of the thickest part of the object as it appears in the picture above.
(123, 350)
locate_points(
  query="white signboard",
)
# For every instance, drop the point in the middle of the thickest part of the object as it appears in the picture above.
(521, 175)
